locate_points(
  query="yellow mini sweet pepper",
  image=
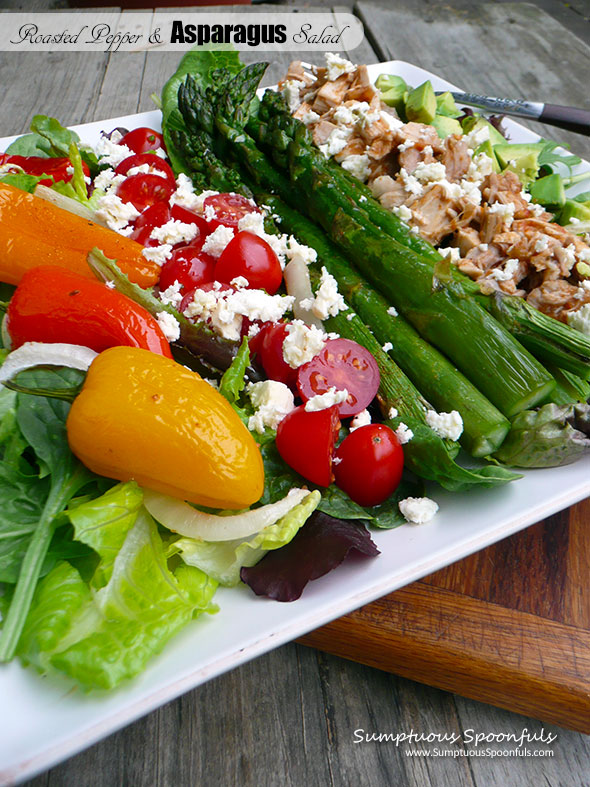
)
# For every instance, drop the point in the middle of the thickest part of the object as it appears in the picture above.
(144, 417)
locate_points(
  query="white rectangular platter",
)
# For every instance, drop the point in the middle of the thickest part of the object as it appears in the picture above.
(44, 721)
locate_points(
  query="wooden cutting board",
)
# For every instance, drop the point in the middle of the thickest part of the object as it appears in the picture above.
(509, 625)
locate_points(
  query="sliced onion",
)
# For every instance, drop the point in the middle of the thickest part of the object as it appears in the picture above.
(32, 354)
(6, 339)
(67, 203)
(182, 518)
(579, 228)
(298, 284)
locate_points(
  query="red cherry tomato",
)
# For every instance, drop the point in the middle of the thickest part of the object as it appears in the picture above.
(271, 354)
(306, 442)
(207, 287)
(154, 216)
(189, 266)
(140, 140)
(341, 364)
(229, 209)
(190, 217)
(371, 464)
(250, 256)
(255, 342)
(155, 162)
(145, 190)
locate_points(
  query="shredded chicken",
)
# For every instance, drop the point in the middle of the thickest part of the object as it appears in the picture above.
(446, 192)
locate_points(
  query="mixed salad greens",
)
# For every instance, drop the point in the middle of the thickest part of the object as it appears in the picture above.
(98, 572)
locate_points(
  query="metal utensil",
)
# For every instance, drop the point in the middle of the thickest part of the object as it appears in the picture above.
(570, 118)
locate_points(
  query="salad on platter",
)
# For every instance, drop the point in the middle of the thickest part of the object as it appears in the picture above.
(236, 344)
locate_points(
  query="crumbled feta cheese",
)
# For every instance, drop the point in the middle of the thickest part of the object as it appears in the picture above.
(392, 311)
(418, 510)
(392, 122)
(471, 191)
(505, 211)
(542, 243)
(169, 325)
(403, 212)
(216, 242)
(449, 425)
(344, 116)
(387, 347)
(362, 198)
(569, 255)
(406, 145)
(411, 184)
(357, 165)
(309, 117)
(107, 179)
(272, 402)
(392, 413)
(172, 295)
(429, 173)
(506, 273)
(116, 213)
(574, 220)
(302, 343)
(325, 400)
(327, 302)
(158, 254)
(252, 222)
(185, 194)
(291, 89)
(452, 252)
(481, 166)
(296, 249)
(279, 244)
(350, 317)
(209, 213)
(239, 282)
(174, 232)
(145, 169)
(403, 433)
(537, 210)
(110, 152)
(337, 66)
(361, 419)
(110, 285)
(477, 137)
(336, 142)
(580, 319)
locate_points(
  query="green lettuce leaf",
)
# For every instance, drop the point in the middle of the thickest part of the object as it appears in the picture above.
(100, 638)
(223, 560)
(22, 181)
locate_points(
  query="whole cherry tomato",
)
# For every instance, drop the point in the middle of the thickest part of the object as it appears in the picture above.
(270, 353)
(369, 463)
(154, 162)
(341, 364)
(306, 442)
(145, 190)
(140, 140)
(229, 209)
(249, 256)
(188, 265)
(154, 216)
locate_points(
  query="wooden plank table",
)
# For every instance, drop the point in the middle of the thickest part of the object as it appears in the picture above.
(289, 717)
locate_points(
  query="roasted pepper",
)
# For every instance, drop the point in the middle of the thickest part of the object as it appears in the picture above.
(55, 168)
(144, 417)
(53, 304)
(35, 232)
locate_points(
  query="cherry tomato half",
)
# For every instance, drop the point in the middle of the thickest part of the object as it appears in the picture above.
(250, 256)
(229, 209)
(190, 217)
(155, 162)
(188, 265)
(270, 352)
(154, 216)
(140, 140)
(341, 364)
(306, 442)
(369, 464)
(145, 190)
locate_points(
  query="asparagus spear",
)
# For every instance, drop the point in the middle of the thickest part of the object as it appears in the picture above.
(484, 426)
(546, 338)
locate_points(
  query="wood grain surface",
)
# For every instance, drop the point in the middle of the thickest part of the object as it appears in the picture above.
(289, 717)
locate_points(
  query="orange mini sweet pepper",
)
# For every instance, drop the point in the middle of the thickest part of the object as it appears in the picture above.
(144, 417)
(36, 232)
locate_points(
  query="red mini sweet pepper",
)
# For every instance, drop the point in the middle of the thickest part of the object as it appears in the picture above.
(53, 304)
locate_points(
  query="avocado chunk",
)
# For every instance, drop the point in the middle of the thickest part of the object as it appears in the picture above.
(548, 191)
(393, 89)
(476, 122)
(421, 104)
(574, 210)
(486, 147)
(521, 158)
(445, 105)
(445, 126)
